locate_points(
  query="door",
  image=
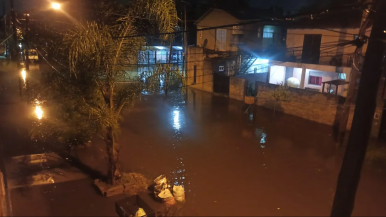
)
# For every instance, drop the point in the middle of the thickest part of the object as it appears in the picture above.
(311, 49)
(220, 83)
(221, 38)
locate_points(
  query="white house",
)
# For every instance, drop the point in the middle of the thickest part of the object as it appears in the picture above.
(316, 54)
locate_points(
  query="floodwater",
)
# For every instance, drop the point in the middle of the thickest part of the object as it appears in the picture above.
(233, 162)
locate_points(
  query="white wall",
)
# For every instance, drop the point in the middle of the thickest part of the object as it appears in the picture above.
(261, 65)
(277, 74)
(298, 73)
(216, 17)
(295, 40)
(326, 76)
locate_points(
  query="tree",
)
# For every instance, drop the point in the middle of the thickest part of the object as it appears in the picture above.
(89, 96)
(280, 94)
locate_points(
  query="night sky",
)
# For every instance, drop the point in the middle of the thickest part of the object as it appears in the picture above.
(288, 5)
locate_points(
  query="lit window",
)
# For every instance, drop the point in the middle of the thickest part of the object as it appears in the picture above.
(342, 76)
(315, 80)
(268, 32)
(221, 68)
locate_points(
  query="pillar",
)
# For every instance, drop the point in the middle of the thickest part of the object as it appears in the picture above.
(302, 82)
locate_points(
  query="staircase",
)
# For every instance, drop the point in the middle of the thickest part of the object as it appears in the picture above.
(246, 62)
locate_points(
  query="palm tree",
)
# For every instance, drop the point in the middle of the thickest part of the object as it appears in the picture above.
(99, 56)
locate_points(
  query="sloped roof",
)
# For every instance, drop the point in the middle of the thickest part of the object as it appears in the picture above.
(242, 13)
(341, 20)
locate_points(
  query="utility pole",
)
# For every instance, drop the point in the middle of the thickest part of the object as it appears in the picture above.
(27, 53)
(185, 43)
(353, 78)
(5, 28)
(16, 57)
(350, 172)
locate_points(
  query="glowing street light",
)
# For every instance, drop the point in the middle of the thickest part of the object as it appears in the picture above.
(23, 74)
(55, 6)
(39, 112)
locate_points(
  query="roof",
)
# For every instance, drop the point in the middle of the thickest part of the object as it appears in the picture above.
(336, 82)
(242, 13)
(341, 20)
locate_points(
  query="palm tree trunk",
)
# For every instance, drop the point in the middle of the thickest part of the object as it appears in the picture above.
(113, 155)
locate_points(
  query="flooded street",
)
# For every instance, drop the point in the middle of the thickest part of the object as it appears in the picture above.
(232, 163)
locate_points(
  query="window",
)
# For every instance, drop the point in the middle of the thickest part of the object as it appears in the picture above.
(315, 80)
(221, 38)
(342, 76)
(221, 68)
(195, 74)
(268, 31)
(200, 34)
(311, 48)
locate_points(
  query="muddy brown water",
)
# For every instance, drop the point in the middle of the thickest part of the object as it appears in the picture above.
(231, 163)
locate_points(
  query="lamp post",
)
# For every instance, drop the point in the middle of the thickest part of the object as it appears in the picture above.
(56, 6)
(38, 110)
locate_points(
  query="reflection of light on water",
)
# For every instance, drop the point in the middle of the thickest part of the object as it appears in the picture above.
(262, 136)
(262, 140)
(176, 123)
(179, 175)
(23, 75)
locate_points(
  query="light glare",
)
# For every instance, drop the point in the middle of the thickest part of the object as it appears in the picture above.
(56, 6)
(39, 112)
(23, 74)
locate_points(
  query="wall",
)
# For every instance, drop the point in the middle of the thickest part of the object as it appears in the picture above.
(204, 73)
(331, 73)
(277, 74)
(263, 77)
(237, 88)
(295, 40)
(314, 106)
(298, 73)
(215, 17)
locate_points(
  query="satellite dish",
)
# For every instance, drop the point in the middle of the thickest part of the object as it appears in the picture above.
(205, 43)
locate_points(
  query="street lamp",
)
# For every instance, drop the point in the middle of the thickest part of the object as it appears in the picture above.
(23, 74)
(39, 112)
(55, 6)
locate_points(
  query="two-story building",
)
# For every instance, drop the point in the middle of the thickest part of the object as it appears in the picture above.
(234, 43)
(319, 53)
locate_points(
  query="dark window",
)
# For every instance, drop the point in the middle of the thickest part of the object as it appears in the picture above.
(195, 74)
(315, 80)
(311, 49)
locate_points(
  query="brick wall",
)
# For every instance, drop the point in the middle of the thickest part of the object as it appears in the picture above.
(203, 68)
(237, 88)
(314, 106)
